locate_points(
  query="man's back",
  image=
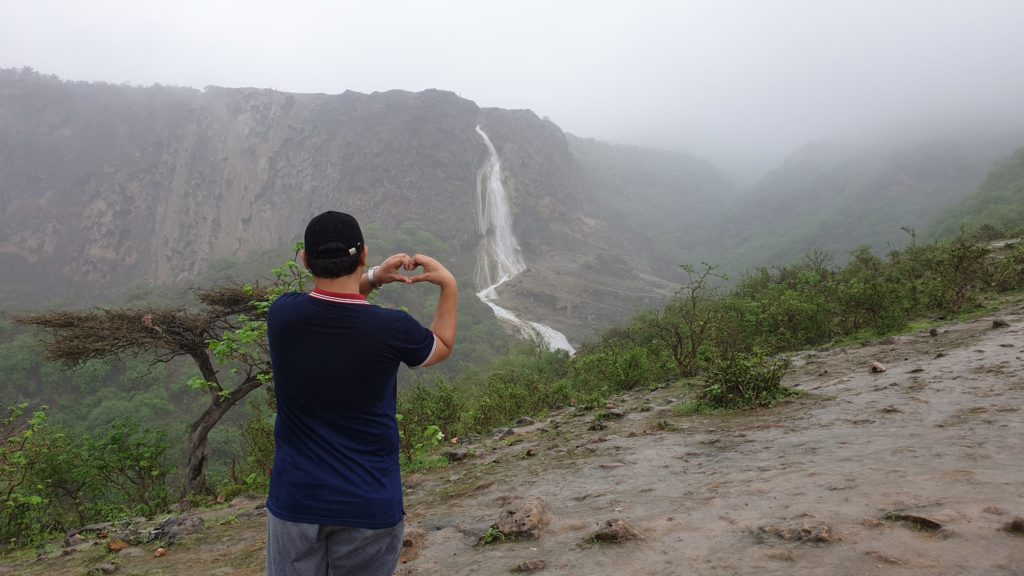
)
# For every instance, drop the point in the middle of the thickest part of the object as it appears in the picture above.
(335, 361)
(336, 489)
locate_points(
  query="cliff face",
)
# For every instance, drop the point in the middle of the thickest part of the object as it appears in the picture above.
(79, 192)
(113, 182)
(104, 185)
(151, 183)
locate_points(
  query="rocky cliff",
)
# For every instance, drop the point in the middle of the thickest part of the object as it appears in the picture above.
(153, 182)
(104, 185)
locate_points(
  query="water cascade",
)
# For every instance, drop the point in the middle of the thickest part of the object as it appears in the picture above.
(499, 258)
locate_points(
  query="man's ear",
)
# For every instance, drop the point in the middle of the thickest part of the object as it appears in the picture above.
(302, 258)
(365, 255)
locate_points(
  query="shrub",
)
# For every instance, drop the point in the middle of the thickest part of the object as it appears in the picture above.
(439, 404)
(964, 270)
(606, 371)
(51, 481)
(506, 395)
(258, 443)
(23, 444)
(684, 326)
(130, 463)
(417, 447)
(744, 381)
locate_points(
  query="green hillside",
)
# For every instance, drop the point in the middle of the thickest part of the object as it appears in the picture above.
(999, 201)
(836, 197)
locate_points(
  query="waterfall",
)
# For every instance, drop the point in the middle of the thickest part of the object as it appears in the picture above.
(499, 258)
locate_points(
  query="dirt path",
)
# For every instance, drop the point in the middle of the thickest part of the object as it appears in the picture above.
(941, 438)
(816, 486)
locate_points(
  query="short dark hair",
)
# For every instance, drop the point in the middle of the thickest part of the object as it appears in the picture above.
(334, 245)
(332, 267)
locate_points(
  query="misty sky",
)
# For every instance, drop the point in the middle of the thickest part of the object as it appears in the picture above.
(738, 82)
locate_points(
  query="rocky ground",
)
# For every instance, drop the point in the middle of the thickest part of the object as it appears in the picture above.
(915, 469)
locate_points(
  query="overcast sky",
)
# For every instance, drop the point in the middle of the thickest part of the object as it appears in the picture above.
(738, 82)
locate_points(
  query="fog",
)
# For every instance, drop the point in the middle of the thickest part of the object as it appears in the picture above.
(739, 83)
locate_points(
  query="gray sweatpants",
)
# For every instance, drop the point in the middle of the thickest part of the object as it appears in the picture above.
(296, 549)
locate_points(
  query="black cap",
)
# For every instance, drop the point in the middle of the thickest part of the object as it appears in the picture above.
(333, 235)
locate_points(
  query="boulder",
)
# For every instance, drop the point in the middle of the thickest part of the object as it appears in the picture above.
(525, 519)
(529, 566)
(816, 532)
(175, 528)
(916, 520)
(456, 454)
(616, 531)
(1015, 526)
(116, 546)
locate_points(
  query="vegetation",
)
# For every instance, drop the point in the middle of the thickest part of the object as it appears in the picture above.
(229, 328)
(728, 346)
(493, 534)
(81, 336)
(685, 324)
(733, 339)
(744, 381)
(835, 196)
(998, 202)
(50, 479)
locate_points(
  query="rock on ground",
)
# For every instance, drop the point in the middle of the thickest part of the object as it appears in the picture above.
(175, 528)
(529, 566)
(616, 531)
(815, 532)
(524, 519)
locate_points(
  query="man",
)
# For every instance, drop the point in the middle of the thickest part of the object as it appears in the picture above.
(335, 490)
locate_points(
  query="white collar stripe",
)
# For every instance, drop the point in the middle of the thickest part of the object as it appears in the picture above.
(336, 299)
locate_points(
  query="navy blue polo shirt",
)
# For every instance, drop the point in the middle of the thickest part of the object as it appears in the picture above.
(335, 359)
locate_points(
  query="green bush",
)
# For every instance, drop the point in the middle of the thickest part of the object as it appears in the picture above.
(610, 370)
(744, 381)
(24, 442)
(528, 381)
(130, 464)
(508, 394)
(439, 404)
(258, 443)
(417, 447)
(51, 481)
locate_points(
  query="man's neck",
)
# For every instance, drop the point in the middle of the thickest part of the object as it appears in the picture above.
(343, 285)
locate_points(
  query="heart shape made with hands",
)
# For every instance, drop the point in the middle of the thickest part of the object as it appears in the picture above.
(403, 271)
(409, 271)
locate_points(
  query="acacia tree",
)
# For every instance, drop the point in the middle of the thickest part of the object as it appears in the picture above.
(225, 337)
(684, 325)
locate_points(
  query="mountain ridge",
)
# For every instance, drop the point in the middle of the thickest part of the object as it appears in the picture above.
(104, 185)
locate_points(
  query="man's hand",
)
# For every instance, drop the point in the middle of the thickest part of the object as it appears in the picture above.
(433, 271)
(387, 272)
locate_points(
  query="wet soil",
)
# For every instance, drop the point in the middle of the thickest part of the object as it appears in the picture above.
(914, 470)
(939, 435)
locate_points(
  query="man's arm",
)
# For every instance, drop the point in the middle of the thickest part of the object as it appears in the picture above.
(446, 315)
